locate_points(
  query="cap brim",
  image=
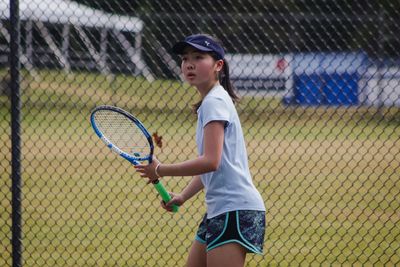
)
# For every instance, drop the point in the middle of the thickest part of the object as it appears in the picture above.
(179, 47)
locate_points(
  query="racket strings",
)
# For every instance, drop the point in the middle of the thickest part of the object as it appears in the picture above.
(122, 132)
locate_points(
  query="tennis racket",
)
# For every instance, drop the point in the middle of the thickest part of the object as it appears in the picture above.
(126, 136)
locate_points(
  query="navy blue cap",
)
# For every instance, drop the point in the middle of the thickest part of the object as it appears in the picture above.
(201, 42)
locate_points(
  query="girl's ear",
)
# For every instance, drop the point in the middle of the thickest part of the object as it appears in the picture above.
(219, 64)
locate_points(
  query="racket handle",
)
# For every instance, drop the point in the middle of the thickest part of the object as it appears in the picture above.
(164, 194)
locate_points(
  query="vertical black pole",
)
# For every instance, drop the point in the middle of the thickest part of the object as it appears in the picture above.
(15, 133)
(381, 58)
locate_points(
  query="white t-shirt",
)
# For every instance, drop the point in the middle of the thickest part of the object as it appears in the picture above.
(230, 187)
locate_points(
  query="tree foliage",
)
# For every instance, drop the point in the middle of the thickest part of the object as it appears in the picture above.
(270, 26)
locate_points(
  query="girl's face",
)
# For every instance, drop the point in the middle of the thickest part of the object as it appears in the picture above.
(200, 69)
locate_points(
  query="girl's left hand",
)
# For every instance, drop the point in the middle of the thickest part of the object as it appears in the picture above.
(176, 199)
(149, 170)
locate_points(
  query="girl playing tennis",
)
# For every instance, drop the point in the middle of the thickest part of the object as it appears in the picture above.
(235, 220)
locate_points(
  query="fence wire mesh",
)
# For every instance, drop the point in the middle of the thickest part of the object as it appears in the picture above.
(320, 88)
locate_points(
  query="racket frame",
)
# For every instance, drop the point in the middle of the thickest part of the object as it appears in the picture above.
(134, 160)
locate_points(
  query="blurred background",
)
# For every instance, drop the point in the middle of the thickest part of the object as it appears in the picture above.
(320, 108)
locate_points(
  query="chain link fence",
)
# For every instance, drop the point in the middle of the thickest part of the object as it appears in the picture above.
(320, 110)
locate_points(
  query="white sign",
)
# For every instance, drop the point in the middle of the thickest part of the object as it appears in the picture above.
(380, 87)
(261, 73)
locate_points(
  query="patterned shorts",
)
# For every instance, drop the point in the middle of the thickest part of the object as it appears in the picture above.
(246, 227)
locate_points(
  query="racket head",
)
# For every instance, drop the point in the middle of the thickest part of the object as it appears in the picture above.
(123, 133)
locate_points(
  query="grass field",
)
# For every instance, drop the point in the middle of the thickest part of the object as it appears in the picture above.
(330, 178)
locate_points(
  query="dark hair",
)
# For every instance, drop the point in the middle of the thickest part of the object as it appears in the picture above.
(223, 77)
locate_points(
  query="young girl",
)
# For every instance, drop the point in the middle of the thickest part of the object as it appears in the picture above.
(235, 220)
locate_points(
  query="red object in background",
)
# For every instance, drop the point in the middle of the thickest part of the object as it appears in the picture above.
(281, 64)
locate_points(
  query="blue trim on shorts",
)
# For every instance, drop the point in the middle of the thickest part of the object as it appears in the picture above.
(234, 241)
(198, 238)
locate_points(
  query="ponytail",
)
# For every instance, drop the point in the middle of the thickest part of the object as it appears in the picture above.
(225, 81)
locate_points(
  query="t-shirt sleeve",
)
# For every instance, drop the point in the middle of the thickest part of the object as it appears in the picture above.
(214, 109)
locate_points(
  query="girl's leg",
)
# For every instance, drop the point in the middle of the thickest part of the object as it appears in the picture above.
(197, 255)
(231, 254)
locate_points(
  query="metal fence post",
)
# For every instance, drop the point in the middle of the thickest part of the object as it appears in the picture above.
(15, 132)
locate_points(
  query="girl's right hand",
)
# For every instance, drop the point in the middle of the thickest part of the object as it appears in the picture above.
(176, 199)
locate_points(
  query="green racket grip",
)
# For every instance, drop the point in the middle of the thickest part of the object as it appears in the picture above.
(164, 194)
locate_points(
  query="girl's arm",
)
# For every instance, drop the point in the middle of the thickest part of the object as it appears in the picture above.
(190, 190)
(208, 162)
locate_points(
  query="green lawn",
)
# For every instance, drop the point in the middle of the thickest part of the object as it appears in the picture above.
(329, 178)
